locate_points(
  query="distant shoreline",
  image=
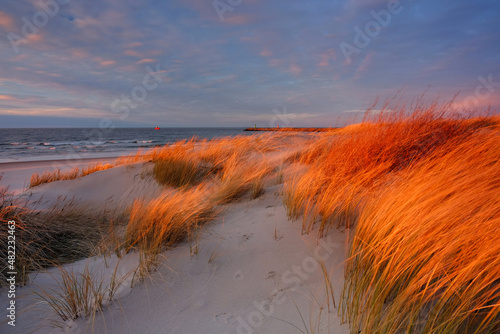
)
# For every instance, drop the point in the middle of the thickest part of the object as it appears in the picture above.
(292, 129)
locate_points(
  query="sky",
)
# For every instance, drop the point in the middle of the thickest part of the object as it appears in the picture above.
(225, 63)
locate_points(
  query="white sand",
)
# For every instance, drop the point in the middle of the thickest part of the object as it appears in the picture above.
(254, 272)
(16, 175)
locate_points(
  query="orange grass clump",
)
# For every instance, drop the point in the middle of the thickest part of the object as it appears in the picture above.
(47, 238)
(425, 254)
(167, 220)
(176, 165)
(74, 173)
(349, 165)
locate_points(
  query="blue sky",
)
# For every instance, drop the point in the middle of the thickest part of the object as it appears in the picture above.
(239, 62)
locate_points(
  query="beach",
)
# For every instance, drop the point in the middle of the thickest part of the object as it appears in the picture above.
(278, 232)
(253, 271)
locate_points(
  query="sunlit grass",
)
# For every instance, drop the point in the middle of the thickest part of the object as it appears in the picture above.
(48, 238)
(424, 257)
(422, 191)
(165, 221)
(347, 166)
(58, 175)
(419, 186)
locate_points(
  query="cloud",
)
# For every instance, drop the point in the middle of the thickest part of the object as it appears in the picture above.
(133, 53)
(264, 54)
(6, 22)
(363, 66)
(239, 19)
(295, 69)
(145, 60)
(107, 63)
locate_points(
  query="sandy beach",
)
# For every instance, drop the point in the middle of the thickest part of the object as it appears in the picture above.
(16, 175)
(331, 232)
(254, 270)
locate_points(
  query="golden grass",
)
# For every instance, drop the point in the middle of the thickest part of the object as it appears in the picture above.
(58, 175)
(421, 189)
(424, 257)
(237, 177)
(347, 166)
(176, 165)
(161, 223)
(49, 238)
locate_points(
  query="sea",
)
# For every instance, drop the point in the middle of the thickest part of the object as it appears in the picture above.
(76, 143)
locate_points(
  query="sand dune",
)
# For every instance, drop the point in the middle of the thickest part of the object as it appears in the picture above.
(254, 271)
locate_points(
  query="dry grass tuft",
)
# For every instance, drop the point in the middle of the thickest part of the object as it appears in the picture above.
(237, 177)
(176, 165)
(422, 190)
(424, 257)
(167, 220)
(45, 239)
(78, 295)
(58, 175)
(348, 166)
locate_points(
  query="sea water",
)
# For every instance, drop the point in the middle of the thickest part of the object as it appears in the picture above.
(74, 143)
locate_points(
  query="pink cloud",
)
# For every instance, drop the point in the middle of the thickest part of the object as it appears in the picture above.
(127, 68)
(133, 53)
(238, 19)
(275, 62)
(107, 62)
(147, 60)
(477, 103)
(79, 53)
(266, 53)
(133, 45)
(295, 69)
(363, 66)
(6, 22)
(326, 57)
(86, 22)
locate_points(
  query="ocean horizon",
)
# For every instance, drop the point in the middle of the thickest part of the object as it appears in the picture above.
(34, 144)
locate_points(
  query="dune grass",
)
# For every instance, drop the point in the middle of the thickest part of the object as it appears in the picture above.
(422, 191)
(348, 166)
(419, 186)
(58, 175)
(77, 295)
(49, 238)
(176, 165)
(161, 223)
(81, 294)
(424, 257)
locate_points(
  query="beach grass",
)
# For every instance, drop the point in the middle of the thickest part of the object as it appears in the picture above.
(424, 257)
(78, 294)
(165, 221)
(418, 186)
(49, 238)
(349, 166)
(58, 174)
(421, 190)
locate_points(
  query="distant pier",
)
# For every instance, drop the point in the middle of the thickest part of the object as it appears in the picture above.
(291, 129)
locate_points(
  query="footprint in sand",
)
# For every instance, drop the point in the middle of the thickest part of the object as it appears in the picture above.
(247, 237)
(225, 317)
(238, 276)
(271, 275)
